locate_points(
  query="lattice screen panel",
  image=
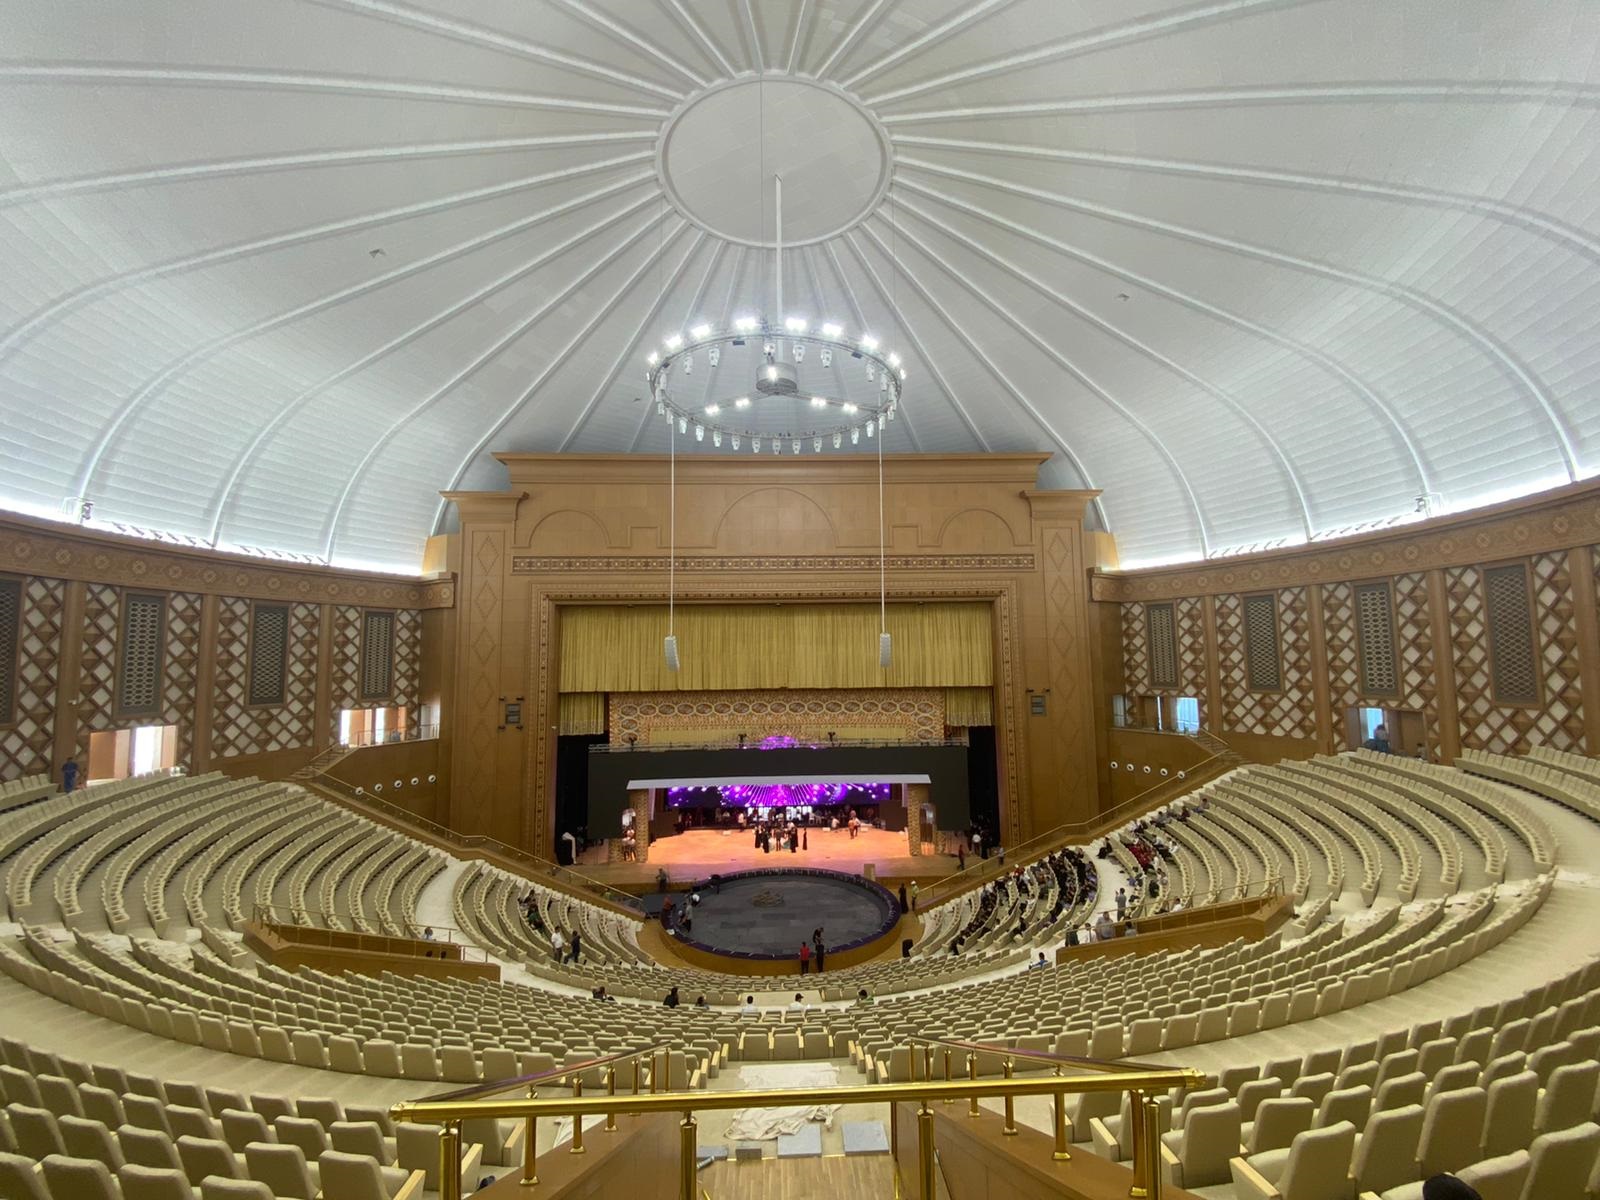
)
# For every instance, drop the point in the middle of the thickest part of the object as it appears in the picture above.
(1513, 657)
(377, 655)
(1190, 652)
(269, 654)
(27, 747)
(1263, 667)
(10, 631)
(240, 728)
(406, 682)
(1288, 712)
(144, 619)
(1486, 723)
(1375, 618)
(1162, 634)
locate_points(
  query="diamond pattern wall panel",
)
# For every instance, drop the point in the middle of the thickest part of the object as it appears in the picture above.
(345, 687)
(180, 671)
(1288, 712)
(97, 687)
(241, 728)
(27, 745)
(1414, 652)
(1190, 623)
(1557, 719)
(1339, 641)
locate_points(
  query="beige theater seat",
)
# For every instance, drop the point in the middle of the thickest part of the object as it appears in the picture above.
(1198, 1154)
(1501, 1178)
(1562, 1163)
(283, 1169)
(20, 1178)
(90, 1139)
(356, 1177)
(1452, 1130)
(235, 1189)
(1313, 1167)
(1387, 1154)
(79, 1178)
(153, 1183)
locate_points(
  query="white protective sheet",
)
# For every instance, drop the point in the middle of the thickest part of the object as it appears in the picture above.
(763, 1124)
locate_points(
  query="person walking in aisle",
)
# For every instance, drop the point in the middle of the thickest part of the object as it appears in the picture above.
(576, 954)
(557, 945)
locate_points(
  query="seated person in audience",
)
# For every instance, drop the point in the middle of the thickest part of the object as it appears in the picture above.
(1039, 962)
(427, 934)
(955, 946)
(700, 1002)
(600, 993)
(749, 1009)
(1129, 929)
(863, 998)
(799, 1005)
(1422, 752)
(1379, 741)
(671, 1000)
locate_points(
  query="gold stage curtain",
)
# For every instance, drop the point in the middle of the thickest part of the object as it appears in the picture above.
(735, 647)
(581, 713)
(968, 706)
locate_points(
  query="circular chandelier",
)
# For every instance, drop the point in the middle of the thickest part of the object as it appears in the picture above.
(791, 388)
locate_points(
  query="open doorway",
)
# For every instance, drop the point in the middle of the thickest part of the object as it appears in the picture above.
(1404, 729)
(123, 753)
(371, 726)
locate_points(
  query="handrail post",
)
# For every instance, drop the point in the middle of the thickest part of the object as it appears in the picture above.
(611, 1090)
(1152, 1143)
(687, 1156)
(530, 1148)
(1139, 1150)
(635, 1074)
(925, 1160)
(450, 1161)
(1010, 1129)
(577, 1118)
(948, 1100)
(972, 1074)
(927, 1063)
(1061, 1154)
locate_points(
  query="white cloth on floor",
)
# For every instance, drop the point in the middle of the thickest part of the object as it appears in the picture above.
(763, 1124)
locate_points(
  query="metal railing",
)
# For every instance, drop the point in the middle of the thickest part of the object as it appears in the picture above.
(1139, 1079)
(531, 865)
(371, 737)
(1073, 833)
(838, 743)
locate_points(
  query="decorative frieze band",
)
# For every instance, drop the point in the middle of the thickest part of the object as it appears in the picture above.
(36, 548)
(527, 564)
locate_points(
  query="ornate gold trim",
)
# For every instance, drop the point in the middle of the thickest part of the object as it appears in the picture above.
(527, 564)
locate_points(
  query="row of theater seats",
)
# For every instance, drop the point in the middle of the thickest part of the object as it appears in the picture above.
(75, 1131)
(1506, 1096)
(210, 848)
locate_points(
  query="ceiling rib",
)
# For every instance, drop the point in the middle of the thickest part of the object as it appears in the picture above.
(35, 322)
(566, 352)
(307, 81)
(945, 29)
(463, 31)
(862, 24)
(623, 34)
(242, 462)
(692, 23)
(1285, 466)
(1067, 365)
(1379, 407)
(330, 529)
(89, 468)
(902, 418)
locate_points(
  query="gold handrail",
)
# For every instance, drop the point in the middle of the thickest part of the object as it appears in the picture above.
(449, 1111)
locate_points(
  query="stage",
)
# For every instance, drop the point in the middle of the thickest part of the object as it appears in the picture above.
(698, 853)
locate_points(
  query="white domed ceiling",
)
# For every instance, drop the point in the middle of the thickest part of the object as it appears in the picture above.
(277, 272)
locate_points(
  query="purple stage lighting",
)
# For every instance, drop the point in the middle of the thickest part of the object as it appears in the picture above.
(781, 795)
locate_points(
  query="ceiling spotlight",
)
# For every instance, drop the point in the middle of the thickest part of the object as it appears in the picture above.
(894, 360)
(742, 402)
(855, 435)
(716, 437)
(868, 342)
(713, 409)
(744, 324)
(818, 402)
(714, 355)
(795, 324)
(699, 432)
(699, 331)
(772, 372)
(799, 351)
(831, 329)
(652, 358)
(673, 342)
(848, 407)
(755, 444)
(869, 428)
(683, 424)
(797, 445)
(837, 439)
(816, 444)
(735, 437)
(826, 354)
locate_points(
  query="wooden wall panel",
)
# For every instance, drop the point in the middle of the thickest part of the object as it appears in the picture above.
(27, 745)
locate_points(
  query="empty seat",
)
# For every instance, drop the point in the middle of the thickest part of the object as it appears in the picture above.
(18, 1178)
(281, 1168)
(1508, 1123)
(153, 1183)
(202, 1157)
(1198, 1154)
(1562, 1163)
(1452, 1130)
(1387, 1154)
(79, 1178)
(1313, 1167)
(90, 1139)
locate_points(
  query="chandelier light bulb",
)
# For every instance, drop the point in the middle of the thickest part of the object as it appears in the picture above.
(772, 373)
(797, 445)
(652, 358)
(871, 374)
(869, 428)
(795, 324)
(700, 331)
(661, 407)
(769, 348)
(755, 444)
(894, 360)
(831, 329)
(713, 409)
(848, 407)
(902, 372)
(744, 324)
(799, 351)
(742, 402)
(883, 384)
(868, 342)
(818, 402)
(777, 446)
(673, 342)
(688, 364)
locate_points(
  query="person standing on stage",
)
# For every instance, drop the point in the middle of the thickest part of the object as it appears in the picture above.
(904, 907)
(805, 958)
(914, 892)
(819, 948)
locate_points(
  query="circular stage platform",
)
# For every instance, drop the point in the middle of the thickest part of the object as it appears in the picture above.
(766, 914)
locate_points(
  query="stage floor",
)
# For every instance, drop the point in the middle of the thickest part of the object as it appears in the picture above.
(699, 852)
